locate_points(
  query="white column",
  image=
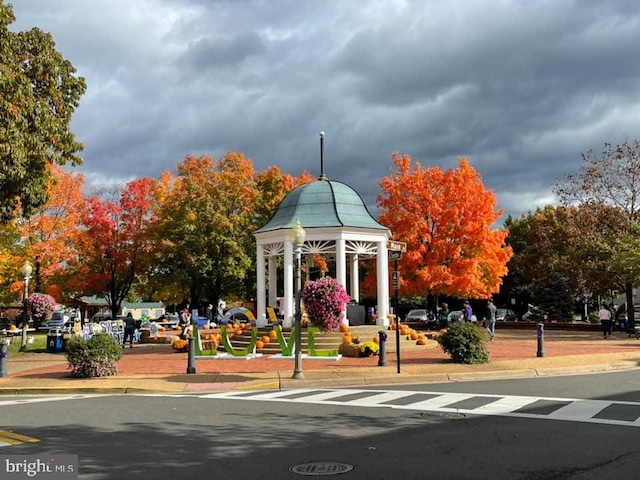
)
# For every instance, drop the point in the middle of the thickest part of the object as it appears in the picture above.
(288, 300)
(341, 269)
(382, 264)
(273, 281)
(354, 293)
(261, 306)
(341, 262)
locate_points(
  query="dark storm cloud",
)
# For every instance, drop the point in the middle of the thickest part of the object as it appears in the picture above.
(519, 87)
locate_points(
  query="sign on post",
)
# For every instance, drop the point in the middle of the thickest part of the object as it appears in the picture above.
(395, 255)
(392, 245)
(395, 280)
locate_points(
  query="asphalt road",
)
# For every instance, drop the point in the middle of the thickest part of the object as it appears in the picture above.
(200, 436)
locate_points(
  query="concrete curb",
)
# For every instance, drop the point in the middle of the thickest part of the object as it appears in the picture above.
(352, 379)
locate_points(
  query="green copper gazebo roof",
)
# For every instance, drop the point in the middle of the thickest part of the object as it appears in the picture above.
(322, 203)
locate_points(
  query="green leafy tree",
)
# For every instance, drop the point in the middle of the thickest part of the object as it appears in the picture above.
(611, 179)
(39, 92)
(204, 228)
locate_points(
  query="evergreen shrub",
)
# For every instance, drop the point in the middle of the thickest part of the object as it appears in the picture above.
(96, 357)
(465, 342)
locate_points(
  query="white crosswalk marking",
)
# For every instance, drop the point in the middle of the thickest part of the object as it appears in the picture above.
(550, 408)
(20, 401)
(580, 409)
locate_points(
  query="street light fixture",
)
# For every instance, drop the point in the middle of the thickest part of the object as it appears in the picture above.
(297, 236)
(26, 271)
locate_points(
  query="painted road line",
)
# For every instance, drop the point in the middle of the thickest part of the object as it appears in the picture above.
(12, 438)
(542, 408)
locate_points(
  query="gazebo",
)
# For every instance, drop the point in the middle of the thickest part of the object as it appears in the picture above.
(337, 224)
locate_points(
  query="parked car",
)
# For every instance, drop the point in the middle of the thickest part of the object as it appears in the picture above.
(456, 316)
(423, 316)
(419, 315)
(59, 320)
(535, 314)
(505, 315)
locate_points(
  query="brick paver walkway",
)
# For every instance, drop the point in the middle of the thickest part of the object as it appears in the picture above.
(508, 346)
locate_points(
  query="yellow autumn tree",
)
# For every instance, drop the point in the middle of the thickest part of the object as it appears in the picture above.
(446, 219)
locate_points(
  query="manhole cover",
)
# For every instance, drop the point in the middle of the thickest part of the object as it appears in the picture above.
(321, 468)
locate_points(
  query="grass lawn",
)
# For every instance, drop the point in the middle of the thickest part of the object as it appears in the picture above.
(39, 344)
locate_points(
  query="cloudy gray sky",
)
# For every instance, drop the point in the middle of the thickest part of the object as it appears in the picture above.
(519, 87)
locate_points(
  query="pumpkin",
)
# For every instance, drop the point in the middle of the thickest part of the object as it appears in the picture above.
(393, 325)
(238, 331)
(13, 328)
(265, 339)
(413, 335)
(376, 339)
(347, 339)
(247, 326)
(259, 344)
(205, 327)
(178, 328)
(421, 341)
(162, 329)
(273, 335)
(343, 328)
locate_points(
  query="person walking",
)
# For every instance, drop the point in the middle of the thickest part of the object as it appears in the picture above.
(129, 330)
(444, 315)
(491, 319)
(467, 313)
(605, 321)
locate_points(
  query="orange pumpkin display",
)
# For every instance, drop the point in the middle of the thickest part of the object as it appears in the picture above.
(413, 335)
(259, 344)
(347, 339)
(265, 339)
(273, 335)
(13, 328)
(343, 328)
(247, 326)
(421, 341)
(238, 331)
(205, 327)
(376, 339)
(178, 328)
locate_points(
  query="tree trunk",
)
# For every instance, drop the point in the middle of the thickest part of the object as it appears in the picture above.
(628, 288)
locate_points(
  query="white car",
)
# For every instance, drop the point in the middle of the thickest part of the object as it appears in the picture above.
(456, 316)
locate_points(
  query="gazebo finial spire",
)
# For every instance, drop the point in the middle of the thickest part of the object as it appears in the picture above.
(322, 175)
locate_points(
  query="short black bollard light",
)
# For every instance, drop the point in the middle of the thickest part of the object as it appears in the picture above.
(382, 341)
(540, 340)
(191, 363)
(4, 346)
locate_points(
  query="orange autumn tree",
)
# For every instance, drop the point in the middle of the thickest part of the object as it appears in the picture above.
(273, 186)
(49, 231)
(446, 219)
(114, 243)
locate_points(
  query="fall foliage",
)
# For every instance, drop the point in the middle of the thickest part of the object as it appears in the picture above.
(39, 93)
(114, 242)
(446, 219)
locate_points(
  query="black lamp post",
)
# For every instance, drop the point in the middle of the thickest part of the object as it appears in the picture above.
(26, 271)
(297, 236)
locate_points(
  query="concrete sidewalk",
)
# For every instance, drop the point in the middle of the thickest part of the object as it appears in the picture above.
(157, 369)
